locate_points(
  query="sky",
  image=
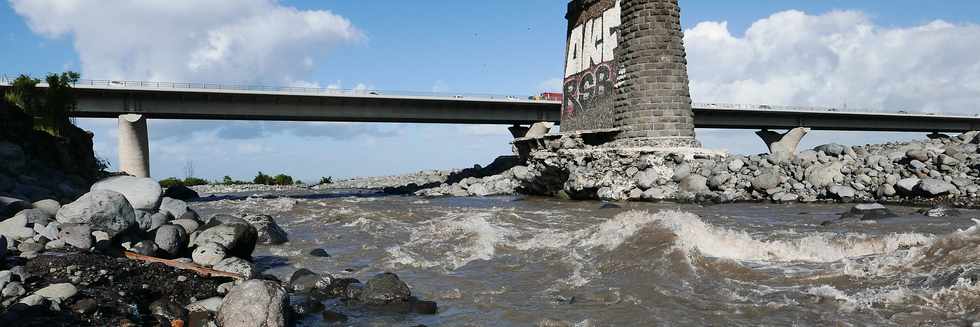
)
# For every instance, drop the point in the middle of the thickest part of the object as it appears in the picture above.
(880, 55)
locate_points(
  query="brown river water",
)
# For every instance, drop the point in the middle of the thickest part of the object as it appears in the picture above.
(518, 261)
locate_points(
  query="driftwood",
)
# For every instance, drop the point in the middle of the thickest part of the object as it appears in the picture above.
(203, 271)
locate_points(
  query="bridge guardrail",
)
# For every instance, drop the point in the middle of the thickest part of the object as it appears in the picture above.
(6, 80)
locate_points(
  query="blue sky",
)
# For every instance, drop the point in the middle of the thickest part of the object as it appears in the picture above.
(502, 47)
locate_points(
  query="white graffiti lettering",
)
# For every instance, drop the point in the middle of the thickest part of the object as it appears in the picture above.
(593, 42)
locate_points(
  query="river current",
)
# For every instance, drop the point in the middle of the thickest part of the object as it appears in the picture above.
(521, 261)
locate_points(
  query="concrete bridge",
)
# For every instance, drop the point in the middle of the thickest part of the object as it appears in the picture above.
(132, 102)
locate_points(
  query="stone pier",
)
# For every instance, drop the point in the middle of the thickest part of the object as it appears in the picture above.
(134, 145)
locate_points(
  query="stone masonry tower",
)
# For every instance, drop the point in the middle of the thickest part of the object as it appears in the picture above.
(626, 68)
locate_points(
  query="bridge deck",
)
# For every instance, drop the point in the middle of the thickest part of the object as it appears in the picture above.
(199, 101)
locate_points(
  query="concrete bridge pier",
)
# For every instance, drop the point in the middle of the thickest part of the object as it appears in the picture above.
(134, 145)
(518, 131)
(783, 145)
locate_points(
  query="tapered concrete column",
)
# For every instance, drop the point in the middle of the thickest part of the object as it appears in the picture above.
(134, 145)
(518, 131)
(783, 145)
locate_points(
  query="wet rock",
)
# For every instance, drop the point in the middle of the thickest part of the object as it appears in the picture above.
(168, 311)
(941, 211)
(255, 303)
(333, 316)
(171, 239)
(868, 211)
(103, 210)
(935, 187)
(85, 306)
(303, 304)
(142, 193)
(785, 197)
(305, 281)
(425, 307)
(77, 235)
(181, 192)
(238, 238)
(236, 266)
(607, 205)
(384, 289)
(48, 206)
(319, 253)
(209, 254)
(58, 292)
(267, 230)
(10, 206)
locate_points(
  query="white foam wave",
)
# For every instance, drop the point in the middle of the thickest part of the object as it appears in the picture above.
(453, 241)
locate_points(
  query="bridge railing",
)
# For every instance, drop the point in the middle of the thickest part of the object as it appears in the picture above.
(7, 79)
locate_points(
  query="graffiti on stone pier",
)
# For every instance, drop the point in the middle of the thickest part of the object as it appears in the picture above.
(591, 68)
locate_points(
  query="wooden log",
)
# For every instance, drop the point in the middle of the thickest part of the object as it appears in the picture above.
(200, 270)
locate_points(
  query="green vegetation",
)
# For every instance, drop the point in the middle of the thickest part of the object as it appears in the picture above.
(190, 181)
(51, 106)
(326, 180)
(280, 179)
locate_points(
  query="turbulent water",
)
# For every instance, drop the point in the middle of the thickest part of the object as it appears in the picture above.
(512, 261)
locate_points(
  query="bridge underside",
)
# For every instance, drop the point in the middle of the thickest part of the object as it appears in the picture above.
(837, 121)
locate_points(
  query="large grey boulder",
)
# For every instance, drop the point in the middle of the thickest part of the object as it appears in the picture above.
(765, 181)
(11, 206)
(236, 266)
(189, 225)
(384, 289)
(868, 211)
(171, 239)
(104, 210)
(823, 175)
(177, 209)
(840, 192)
(268, 231)
(142, 193)
(48, 206)
(181, 192)
(254, 303)
(832, 149)
(77, 235)
(209, 254)
(35, 216)
(696, 184)
(237, 236)
(907, 185)
(15, 229)
(932, 187)
(57, 292)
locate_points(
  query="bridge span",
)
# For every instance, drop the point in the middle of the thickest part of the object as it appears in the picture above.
(135, 101)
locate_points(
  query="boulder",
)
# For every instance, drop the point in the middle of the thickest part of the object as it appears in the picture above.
(77, 235)
(384, 289)
(843, 193)
(832, 149)
(920, 155)
(646, 179)
(57, 292)
(209, 254)
(696, 184)
(142, 193)
(785, 197)
(887, 190)
(210, 305)
(765, 181)
(144, 219)
(159, 219)
(823, 175)
(268, 231)
(236, 266)
(868, 211)
(177, 209)
(932, 187)
(181, 192)
(104, 210)
(35, 216)
(736, 165)
(907, 185)
(306, 281)
(189, 225)
(940, 211)
(238, 238)
(171, 239)
(15, 229)
(718, 180)
(11, 206)
(254, 303)
(49, 207)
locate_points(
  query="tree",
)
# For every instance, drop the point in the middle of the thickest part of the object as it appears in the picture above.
(227, 180)
(171, 182)
(282, 179)
(262, 179)
(326, 180)
(51, 107)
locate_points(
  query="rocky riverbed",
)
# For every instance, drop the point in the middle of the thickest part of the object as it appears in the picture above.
(124, 254)
(941, 170)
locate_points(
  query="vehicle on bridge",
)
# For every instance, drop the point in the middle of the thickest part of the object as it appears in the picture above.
(547, 96)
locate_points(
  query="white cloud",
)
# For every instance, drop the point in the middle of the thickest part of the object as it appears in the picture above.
(229, 41)
(838, 58)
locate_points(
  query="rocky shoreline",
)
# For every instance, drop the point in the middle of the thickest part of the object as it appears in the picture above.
(124, 254)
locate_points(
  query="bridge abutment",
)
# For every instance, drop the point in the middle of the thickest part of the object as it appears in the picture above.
(134, 145)
(783, 145)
